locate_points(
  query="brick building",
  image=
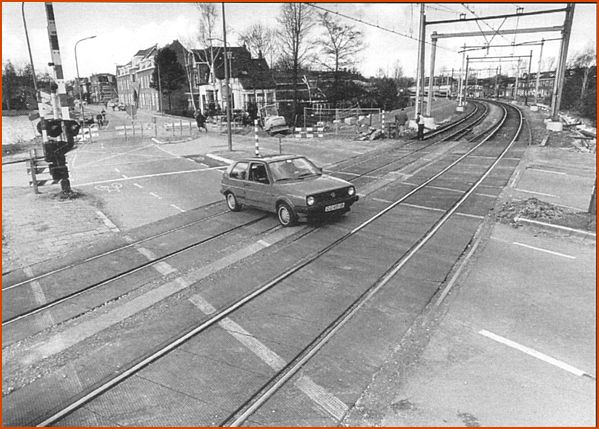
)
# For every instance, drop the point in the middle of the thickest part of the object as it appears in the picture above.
(133, 81)
(102, 87)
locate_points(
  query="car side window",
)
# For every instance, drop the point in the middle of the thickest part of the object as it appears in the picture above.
(258, 173)
(239, 171)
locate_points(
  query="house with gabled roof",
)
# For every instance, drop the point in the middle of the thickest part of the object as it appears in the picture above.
(133, 80)
(251, 79)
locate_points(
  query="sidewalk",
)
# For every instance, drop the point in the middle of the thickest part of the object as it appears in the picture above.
(513, 344)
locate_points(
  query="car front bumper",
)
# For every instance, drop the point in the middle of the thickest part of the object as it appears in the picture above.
(320, 210)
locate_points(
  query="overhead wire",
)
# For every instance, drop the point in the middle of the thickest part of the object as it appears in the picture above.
(375, 25)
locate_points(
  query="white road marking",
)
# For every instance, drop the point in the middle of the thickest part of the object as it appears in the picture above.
(563, 228)
(441, 210)
(152, 175)
(162, 267)
(117, 170)
(327, 401)
(178, 208)
(138, 185)
(60, 341)
(124, 177)
(39, 296)
(548, 171)
(544, 250)
(155, 195)
(537, 193)
(107, 221)
(534, 353)
(96, 161)
(381, 200)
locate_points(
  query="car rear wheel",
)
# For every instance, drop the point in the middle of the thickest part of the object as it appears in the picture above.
(286, 215)
(232, 203)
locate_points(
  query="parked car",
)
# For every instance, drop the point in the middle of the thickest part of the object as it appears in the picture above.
(289, 185)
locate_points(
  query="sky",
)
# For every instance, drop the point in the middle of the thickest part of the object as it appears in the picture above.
(121, 29)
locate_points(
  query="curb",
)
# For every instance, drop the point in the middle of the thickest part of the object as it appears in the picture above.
(219, 158)
(554, 228)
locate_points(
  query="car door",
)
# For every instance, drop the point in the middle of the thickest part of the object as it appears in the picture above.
(258, 188)
(237, 180)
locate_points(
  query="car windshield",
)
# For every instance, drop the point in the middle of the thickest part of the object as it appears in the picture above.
(293, 169)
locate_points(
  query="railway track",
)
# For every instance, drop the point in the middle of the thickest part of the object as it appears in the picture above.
(372, 228)
(13, 290)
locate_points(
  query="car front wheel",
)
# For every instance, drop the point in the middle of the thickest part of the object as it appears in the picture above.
(286, 215)
(232, 203)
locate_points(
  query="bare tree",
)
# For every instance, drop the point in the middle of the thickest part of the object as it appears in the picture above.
(296, 20)
(207, 33)
(339, 44)
(585, 60)
(260, 40)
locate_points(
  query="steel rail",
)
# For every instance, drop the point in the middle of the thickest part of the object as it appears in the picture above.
(65, 298)
(254, 403)
(224, 312)
(118, 249)
(104, 282)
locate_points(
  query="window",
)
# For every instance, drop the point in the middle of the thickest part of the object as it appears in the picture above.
(258, 173)
(239, 171)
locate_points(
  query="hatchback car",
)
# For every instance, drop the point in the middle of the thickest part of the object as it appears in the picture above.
(289, 185)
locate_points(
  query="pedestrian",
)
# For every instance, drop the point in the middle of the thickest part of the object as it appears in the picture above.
(201, 121)
(420, 123)
(400, 121)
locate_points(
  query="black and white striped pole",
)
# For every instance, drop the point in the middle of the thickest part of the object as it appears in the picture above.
(257, 147)
(59, 100)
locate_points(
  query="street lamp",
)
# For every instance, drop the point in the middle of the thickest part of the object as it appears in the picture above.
(78, 78)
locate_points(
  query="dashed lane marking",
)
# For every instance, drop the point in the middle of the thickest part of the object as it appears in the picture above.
(178, 208)
(138, 185)
(124, 177)
(117, 170)
(534, 353)
(318, 394)
(155, 195)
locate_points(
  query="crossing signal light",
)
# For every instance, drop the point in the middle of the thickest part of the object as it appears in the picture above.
(71, 127)
(53, 127)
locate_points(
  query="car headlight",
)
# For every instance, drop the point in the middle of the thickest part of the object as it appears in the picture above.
(351, 191)
(310, 201)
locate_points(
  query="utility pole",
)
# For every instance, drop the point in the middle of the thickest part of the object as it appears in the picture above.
(558, 85)
(517, 80)
(227, 87)
(465, 86)
(432, 74)
(539, 73)
(420, 71)
(527, 79)
(461, 82)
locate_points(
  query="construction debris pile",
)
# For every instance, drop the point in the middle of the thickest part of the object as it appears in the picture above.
(535, 209)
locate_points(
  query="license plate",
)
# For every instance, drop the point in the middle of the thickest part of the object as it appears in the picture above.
(334, 207)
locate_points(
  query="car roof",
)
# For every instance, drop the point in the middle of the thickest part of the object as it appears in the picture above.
(271, 158)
